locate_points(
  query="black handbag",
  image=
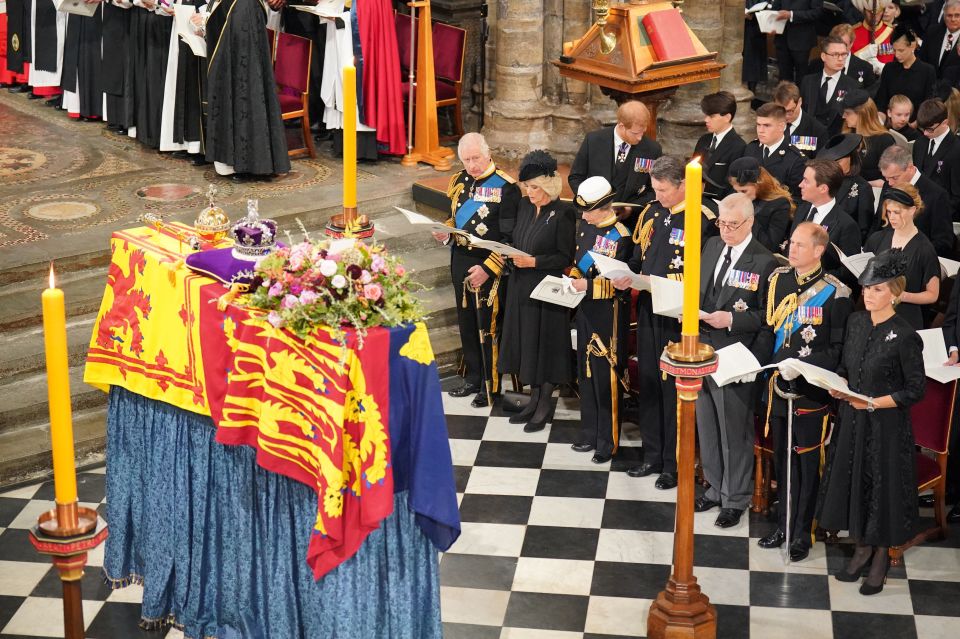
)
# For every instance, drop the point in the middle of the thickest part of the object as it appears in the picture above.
(514, 401)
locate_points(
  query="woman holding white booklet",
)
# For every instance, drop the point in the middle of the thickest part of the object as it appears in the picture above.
(869, 481)
(901, 206)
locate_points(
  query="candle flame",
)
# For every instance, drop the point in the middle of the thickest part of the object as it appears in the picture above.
(695, 159)
(52, 284)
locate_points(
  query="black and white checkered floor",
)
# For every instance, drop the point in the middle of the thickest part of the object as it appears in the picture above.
(554, 547)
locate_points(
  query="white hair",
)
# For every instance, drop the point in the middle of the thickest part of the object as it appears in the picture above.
(472, 138)
(740, 202)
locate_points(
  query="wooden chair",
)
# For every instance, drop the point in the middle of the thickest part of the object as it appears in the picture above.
(449, 51)
(763, 461)
(292, 72)
(931, 419)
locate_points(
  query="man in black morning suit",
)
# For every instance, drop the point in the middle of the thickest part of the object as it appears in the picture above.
(937, 152)
(855, 68)
(823, 92)
(483, 202)
(940, 42)
(621, 154)
(936, 219)
(780, 158)
(807, 311)
(658, 250)
(798, 37)
(720, 145)
(802, 129)
(733, 283)
(821, 181)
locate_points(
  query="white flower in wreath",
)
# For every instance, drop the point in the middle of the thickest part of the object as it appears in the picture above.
(483, 212)
(481, 229)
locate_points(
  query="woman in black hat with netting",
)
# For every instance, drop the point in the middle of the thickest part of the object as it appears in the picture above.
(869, 482)
(535, 343)
(772, 206)
(855, 195)
(899, 207)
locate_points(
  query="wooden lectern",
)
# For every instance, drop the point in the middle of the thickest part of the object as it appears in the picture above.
(616, 55)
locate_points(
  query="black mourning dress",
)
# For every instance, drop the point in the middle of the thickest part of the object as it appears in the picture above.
(869, 484)
(856, 198)
(771, 222)
(917, 83)
(874, 146)
(922, 264)
(535, 342)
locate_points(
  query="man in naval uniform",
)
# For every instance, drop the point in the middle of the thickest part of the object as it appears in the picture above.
(781, 159)
(733, 286)
(803, 130)
(807, 311)
(483, 202)
(658, 250)
(603, 320)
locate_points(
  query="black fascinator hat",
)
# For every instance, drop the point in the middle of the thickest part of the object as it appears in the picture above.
(883, 268)
(745, 171)
(535, 164)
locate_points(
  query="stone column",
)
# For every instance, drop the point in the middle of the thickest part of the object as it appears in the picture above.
(517, 119)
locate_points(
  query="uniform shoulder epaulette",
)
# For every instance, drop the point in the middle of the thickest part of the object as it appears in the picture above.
(797, 151)
(842, 289)
(453, 181)
(622, 229)
(708, 212)
(505, 176)
(780, 270)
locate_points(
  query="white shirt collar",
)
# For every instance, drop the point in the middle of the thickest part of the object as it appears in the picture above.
(735, 253)
(773, 149)
(791, 127)
(823, 210)
(916, 177)
(937, 140)
(720, 135)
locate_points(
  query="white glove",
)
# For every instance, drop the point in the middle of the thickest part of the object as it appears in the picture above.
(746, 379)
(568, 285)
(789, 374)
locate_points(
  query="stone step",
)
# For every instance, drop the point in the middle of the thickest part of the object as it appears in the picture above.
(23, 400)
(430, 267)
(20, 305)
(25, 453)
(446, 349)
(440, 306)
(22, 349)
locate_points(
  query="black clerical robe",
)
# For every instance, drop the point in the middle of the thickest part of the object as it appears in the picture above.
(82, 62)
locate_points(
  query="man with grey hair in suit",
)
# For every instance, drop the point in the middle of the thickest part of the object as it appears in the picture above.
(733, 284)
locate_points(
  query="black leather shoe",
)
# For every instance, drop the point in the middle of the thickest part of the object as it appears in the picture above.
(535, 427)
(464, 391)
(582, 448)
(728, 517)
(702, 504)
(480, 401)
(643, 470)
(774, 540)
(954, 515)
(799, 550)
(34, 96)
(599, 458)
(19, 88)
(666, 481)
(198, 160)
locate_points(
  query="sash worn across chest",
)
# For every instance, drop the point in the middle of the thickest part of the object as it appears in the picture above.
(468, 208)
(813, 298)
(610, 237)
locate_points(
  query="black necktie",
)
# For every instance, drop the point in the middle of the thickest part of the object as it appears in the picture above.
(727, 258)
(713, 144)
(812, 214)
(766, 152)
(824, 88)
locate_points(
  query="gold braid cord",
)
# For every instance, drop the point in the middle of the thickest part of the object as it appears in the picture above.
(643, 232)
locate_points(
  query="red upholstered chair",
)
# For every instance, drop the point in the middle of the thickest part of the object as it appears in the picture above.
(449, 50)
(931, 419)
(292, 72)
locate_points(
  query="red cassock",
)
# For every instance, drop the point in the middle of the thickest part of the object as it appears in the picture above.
(382, 95)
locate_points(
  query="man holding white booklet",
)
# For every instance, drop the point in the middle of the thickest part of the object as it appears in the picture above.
(733, 285)
(807, 311)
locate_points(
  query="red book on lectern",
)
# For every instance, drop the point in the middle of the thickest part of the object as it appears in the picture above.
(668, 34)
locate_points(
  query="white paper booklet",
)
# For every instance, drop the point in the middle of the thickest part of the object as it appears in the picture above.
(667, 296)
(820, 377)
(950, 267)
(768, 23)
(854, 263)
(78, 7)
(935, 354)
(760, 6)
(735, 361)
(182, 14)
(497, 247)
(614, 269)
(425, 223)
(323, 8)
(554, 290)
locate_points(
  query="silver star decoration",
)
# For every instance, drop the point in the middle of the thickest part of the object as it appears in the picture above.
(808, 334)
(483, 212)
(677, 262)
(740, 306)
(890, 336)
(481, 229)
(805, 351)
(666, 221)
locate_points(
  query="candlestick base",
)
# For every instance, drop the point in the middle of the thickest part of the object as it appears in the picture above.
(67, 520)
(349, 224)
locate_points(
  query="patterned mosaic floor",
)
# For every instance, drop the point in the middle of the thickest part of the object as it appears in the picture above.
(555, 547)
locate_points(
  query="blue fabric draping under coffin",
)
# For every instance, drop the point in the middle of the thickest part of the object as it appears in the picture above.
(219, 542)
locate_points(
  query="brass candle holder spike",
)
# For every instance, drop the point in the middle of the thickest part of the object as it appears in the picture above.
(608, 41)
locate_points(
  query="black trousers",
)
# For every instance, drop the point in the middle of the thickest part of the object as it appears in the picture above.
(600, 416)
(657, 396)
(793, 63)
(809, 431)
(490, 319)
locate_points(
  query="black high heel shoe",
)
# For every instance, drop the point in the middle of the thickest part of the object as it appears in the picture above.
(876, 579)
(536, 425)
(544, 410)
(861, 557)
